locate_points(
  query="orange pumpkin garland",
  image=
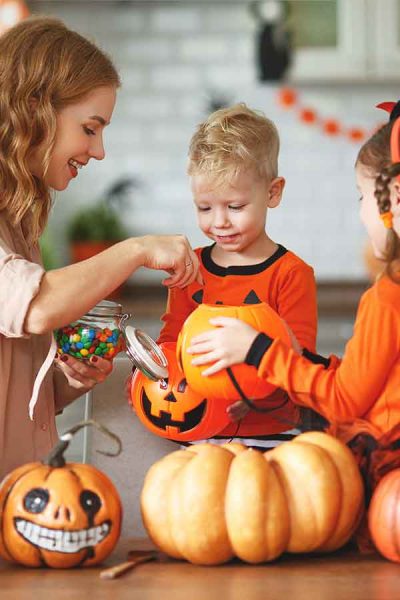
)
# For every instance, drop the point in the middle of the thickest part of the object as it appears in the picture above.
(171, 409)
(58, 514)
(219, 386)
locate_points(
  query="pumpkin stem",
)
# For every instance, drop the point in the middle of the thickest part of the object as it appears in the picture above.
(56, 457)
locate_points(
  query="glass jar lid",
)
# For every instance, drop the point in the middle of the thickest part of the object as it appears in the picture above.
(145, 353)
(106, 308)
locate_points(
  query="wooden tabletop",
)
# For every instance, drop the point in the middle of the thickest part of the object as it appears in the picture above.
(344, 575)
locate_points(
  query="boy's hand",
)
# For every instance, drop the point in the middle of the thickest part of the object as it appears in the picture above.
(226, 345)
(237, 411)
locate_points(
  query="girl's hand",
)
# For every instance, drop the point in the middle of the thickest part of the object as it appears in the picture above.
(84, 375)
(171, 253)
(226, 345)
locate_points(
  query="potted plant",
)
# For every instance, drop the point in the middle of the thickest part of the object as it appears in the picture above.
(94, 228)
(97, 227)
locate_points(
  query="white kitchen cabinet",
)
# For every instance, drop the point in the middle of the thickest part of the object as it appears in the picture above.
(385, 22)
(345, 40)
(329, 39)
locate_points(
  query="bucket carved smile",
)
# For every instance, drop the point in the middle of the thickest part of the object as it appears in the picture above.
(190, 420)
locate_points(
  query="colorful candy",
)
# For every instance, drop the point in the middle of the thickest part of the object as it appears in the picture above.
(83, 341)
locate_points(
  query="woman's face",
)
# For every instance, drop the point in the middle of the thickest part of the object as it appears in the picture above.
(79, 137)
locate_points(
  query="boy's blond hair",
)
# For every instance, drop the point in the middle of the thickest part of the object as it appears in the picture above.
(232, 140)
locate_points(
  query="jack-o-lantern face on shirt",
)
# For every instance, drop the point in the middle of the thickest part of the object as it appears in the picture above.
(171, 409)
(58, 517)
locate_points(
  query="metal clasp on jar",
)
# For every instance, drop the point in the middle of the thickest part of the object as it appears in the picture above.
(143, 351)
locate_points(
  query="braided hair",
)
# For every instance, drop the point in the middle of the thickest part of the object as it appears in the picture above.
(375, 156)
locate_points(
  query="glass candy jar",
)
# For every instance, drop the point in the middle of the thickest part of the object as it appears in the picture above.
(103, 331)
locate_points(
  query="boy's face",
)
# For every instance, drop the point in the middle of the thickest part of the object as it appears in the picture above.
(234, 214)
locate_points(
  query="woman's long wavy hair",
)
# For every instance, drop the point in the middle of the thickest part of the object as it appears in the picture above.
(44, 67)
(375, 156)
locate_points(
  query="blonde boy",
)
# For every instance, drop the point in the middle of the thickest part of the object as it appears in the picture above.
(233, 168)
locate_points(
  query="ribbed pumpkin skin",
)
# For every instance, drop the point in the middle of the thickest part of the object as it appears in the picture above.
(208, 504)
(384, 516)
(260, 316)
(256, 511)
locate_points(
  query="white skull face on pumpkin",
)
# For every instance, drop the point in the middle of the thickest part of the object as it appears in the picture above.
(58, 517)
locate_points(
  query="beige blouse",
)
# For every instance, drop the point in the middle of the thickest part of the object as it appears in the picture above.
(21, 355)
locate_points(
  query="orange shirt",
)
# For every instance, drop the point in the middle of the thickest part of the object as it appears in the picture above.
(365, 385)
(285, 282)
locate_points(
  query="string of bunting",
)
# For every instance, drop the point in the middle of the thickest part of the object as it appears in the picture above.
(288, 99)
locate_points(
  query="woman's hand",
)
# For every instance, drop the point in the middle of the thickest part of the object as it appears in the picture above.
(84, 375)
(171, 253)
(226, 345)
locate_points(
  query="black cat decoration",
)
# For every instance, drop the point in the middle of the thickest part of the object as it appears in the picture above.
(273, 49)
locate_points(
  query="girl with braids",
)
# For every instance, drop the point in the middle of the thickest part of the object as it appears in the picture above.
(57, 94)
(360, 394)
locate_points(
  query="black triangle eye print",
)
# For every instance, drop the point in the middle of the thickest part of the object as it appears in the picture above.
(252, 298)
(198, 296)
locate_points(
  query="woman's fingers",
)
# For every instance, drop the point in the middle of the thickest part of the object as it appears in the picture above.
(101, 364)
(173, 254)
(86, 373)
(186, 271)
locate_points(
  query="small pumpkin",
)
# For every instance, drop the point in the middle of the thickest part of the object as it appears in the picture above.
(384, 516)
(58, 514)
(219, 386)
(171, 409)
(210, 503)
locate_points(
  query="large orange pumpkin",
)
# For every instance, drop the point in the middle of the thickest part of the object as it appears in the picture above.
(384, 516)
(210, 503)
(171, 409)
(58, 514)
(219, 386)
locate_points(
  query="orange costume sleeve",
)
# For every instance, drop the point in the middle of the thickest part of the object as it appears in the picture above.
(297, 305)
(365, 384)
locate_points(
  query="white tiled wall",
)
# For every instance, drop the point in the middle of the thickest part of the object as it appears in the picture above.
(173, 58)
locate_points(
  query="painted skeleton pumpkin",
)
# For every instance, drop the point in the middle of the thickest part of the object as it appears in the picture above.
(171, 409)
(58, 514)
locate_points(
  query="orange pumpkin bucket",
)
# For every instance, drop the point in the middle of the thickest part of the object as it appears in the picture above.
(171, 409)
(220, 386)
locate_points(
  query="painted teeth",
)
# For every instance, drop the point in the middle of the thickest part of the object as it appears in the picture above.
(75, 164)
(58, 540)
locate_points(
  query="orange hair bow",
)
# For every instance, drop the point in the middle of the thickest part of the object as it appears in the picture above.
(387, 218)
(393, 108)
